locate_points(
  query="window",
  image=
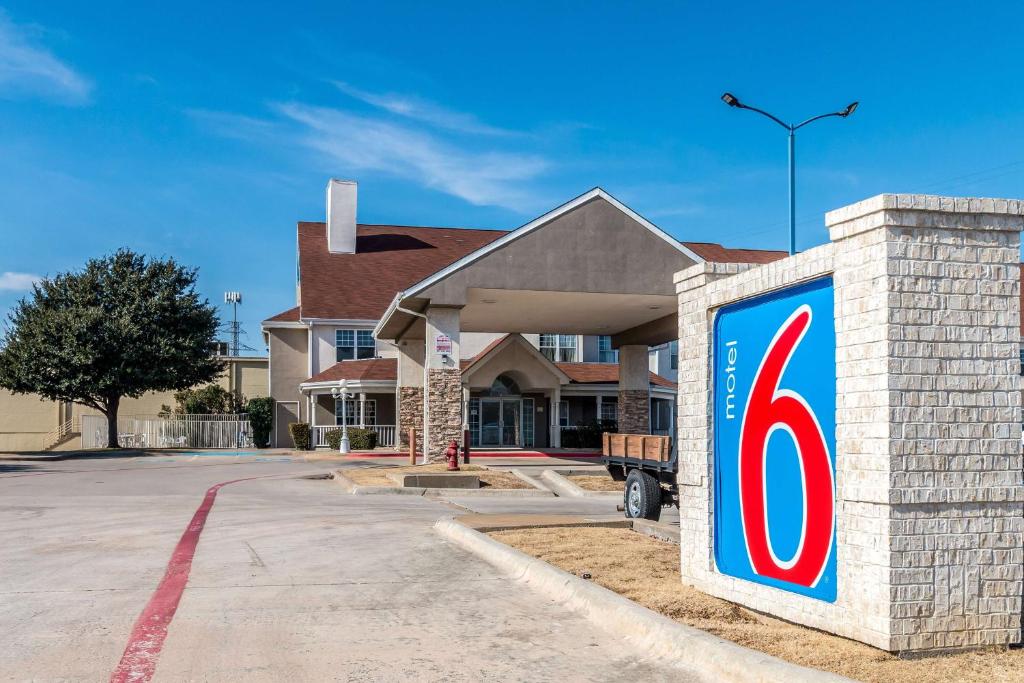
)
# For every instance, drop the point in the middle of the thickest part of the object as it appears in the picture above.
(558, 348)
(674, 357)
(605, 352)
(352, 412)
(609, 410)
(354, 344)
(563, 413)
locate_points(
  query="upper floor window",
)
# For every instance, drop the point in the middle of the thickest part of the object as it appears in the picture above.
(354, 344)
(558, 348)
(674, 357)
(605, 352)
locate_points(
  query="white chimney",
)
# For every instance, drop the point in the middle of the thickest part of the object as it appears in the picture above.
(341, 216)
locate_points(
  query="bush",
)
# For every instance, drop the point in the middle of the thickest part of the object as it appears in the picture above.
(358, 439)
(212, 399)
(300, 435)
(261, 419)
(587, 434)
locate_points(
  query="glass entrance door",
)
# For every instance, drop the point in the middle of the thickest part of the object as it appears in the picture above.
(510, 427)
(500, 422)
(490, 422)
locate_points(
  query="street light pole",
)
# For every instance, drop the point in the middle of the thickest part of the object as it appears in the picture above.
(732, 101)
(341, 392)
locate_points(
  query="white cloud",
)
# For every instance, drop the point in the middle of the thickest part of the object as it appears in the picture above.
(30, 70)
(361, 143)
(17, 282)
(418, 109)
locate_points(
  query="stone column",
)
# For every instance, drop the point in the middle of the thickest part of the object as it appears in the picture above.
(634, 390)
(362, 410)
(410, 391)
(929, 412)
(443, 404)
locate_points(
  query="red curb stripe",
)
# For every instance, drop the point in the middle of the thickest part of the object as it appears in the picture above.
(138, 663)
(481, 454)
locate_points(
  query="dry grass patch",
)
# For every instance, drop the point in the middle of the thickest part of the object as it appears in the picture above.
(646, 571)
(596, 482)
(378, 476)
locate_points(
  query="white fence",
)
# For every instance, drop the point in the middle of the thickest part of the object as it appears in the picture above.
(385, 434)
(177, 431)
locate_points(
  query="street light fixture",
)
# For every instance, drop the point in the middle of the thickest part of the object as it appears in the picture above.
(733, 101)
(341, 392)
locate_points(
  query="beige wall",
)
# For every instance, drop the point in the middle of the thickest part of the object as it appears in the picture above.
(289, 367)
(248, 376)
(24, 420)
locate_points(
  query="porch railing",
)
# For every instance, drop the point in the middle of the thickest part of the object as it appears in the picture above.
(385, 434)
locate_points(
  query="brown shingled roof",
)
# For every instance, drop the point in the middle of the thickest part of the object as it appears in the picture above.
(367, 369)
(603, 373)
(388, 259)
(289, 316)
(387, 369)
(709, 251)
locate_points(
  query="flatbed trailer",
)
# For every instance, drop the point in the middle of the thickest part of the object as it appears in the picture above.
(648, 465)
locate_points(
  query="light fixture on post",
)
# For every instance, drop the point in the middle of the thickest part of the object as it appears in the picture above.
(340, 392)
(733, 101)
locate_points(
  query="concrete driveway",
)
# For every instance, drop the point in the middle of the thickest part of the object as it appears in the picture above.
(275, 577)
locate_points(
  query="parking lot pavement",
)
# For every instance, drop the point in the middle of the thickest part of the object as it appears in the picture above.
(290, 579)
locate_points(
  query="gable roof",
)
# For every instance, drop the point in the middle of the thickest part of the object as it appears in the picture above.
(368, 369)
(709, 251)
(289, 316)
(388, 258)
(539, 222)
(604, 373)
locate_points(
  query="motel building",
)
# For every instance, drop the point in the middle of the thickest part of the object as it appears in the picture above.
(520, 337)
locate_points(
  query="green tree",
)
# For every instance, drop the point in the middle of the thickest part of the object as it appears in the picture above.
(122, 326)
(212, 399)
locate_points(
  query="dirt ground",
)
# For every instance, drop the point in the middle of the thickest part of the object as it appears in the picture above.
(596, 482)
(646, 571)
(378, 476)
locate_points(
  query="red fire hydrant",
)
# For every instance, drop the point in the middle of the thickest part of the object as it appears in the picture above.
(452, 456)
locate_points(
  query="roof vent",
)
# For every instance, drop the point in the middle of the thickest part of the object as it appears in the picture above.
(341, 216)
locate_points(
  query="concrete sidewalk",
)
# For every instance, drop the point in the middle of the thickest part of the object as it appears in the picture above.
(291, 580)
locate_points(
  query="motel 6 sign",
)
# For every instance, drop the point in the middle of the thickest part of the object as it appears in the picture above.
(774, 429)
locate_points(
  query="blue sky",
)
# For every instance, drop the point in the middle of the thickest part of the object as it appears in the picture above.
(204, 131)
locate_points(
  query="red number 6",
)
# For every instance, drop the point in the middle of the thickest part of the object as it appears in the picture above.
(768, 409)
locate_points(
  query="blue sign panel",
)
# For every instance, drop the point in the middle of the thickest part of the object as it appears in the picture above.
(774, 428)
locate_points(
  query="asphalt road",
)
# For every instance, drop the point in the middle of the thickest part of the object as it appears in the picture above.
(136, 569)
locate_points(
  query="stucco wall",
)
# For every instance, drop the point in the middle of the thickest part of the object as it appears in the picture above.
(593, 248)
(24, 420)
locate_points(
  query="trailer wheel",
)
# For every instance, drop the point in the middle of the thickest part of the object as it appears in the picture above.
(642, 496)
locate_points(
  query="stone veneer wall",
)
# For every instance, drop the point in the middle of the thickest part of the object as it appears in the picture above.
(928, 459)
(634, 411)
(444, 413)
(410, 415)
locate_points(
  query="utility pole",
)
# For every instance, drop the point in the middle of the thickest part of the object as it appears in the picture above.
(234, 298)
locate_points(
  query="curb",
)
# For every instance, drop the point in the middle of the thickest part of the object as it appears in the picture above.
(358, 490)
(709, 656)
(531, 481)
(566, 488)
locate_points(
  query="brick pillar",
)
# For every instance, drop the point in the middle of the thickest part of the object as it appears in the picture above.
(410, 391)
(930, 411)
(928, 484)
(443, 405)
(634, 390)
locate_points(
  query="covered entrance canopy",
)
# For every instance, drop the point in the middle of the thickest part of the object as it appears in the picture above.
(591, 266)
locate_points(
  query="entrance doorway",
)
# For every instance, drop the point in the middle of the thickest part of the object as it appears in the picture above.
(500, 422)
